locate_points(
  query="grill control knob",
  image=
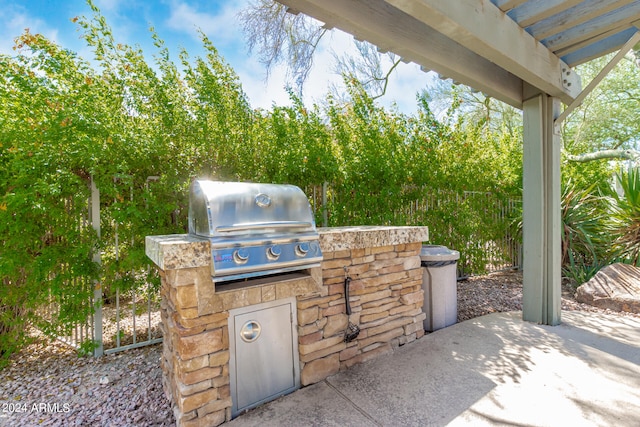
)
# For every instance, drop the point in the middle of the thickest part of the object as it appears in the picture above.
(274, 252)
(241, 256)
(314, 247)
(302, 249)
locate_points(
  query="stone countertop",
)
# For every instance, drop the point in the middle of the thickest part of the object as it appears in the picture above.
(176, 251)
(358, 237)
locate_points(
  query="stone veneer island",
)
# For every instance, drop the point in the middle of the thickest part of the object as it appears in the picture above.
(386, 299)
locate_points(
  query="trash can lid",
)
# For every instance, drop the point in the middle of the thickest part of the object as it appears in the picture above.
(438, 253)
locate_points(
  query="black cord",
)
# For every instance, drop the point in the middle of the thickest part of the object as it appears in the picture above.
(347, 280)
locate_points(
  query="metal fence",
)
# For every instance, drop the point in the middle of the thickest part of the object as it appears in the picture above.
(119, 320)
(68, 317)
(484, 227)
(130, 318)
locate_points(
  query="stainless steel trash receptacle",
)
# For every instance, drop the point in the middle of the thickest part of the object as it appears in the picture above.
(439, 282)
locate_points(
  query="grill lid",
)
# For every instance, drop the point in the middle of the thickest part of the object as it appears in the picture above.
(226, 209)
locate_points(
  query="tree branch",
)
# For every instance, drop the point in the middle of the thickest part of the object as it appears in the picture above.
(604, 154)
(385, 79)
(281, 37)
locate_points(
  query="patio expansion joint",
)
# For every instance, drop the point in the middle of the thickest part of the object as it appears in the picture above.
(356, 407)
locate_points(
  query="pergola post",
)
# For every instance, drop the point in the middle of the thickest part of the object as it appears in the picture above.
(541, 295)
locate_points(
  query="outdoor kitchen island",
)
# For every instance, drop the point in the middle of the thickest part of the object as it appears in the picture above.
(201, 374)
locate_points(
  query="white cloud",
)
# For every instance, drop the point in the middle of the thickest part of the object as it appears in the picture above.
(263, 94)
(404, 85)
(221, 26)
(273, 92)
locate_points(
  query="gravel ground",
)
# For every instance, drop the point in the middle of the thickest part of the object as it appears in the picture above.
(47, 384)
(499, 292)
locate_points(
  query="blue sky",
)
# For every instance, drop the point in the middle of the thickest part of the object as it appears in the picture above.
(176, 22)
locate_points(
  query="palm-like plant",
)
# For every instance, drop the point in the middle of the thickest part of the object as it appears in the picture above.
(625, 217)
(584, 245)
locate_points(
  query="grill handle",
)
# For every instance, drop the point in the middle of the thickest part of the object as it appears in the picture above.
(262, 225)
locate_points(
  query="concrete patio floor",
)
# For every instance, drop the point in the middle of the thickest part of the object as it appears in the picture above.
(491, 370)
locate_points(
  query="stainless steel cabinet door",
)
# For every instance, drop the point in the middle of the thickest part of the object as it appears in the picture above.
(264, 353)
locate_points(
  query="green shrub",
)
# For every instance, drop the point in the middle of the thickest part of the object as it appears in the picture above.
(585, 242)
(625, 217)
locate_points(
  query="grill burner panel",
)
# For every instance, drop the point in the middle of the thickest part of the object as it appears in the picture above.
(254, 260)
(254, 229)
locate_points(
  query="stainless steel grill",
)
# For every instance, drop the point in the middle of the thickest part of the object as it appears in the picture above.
(254, 229)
